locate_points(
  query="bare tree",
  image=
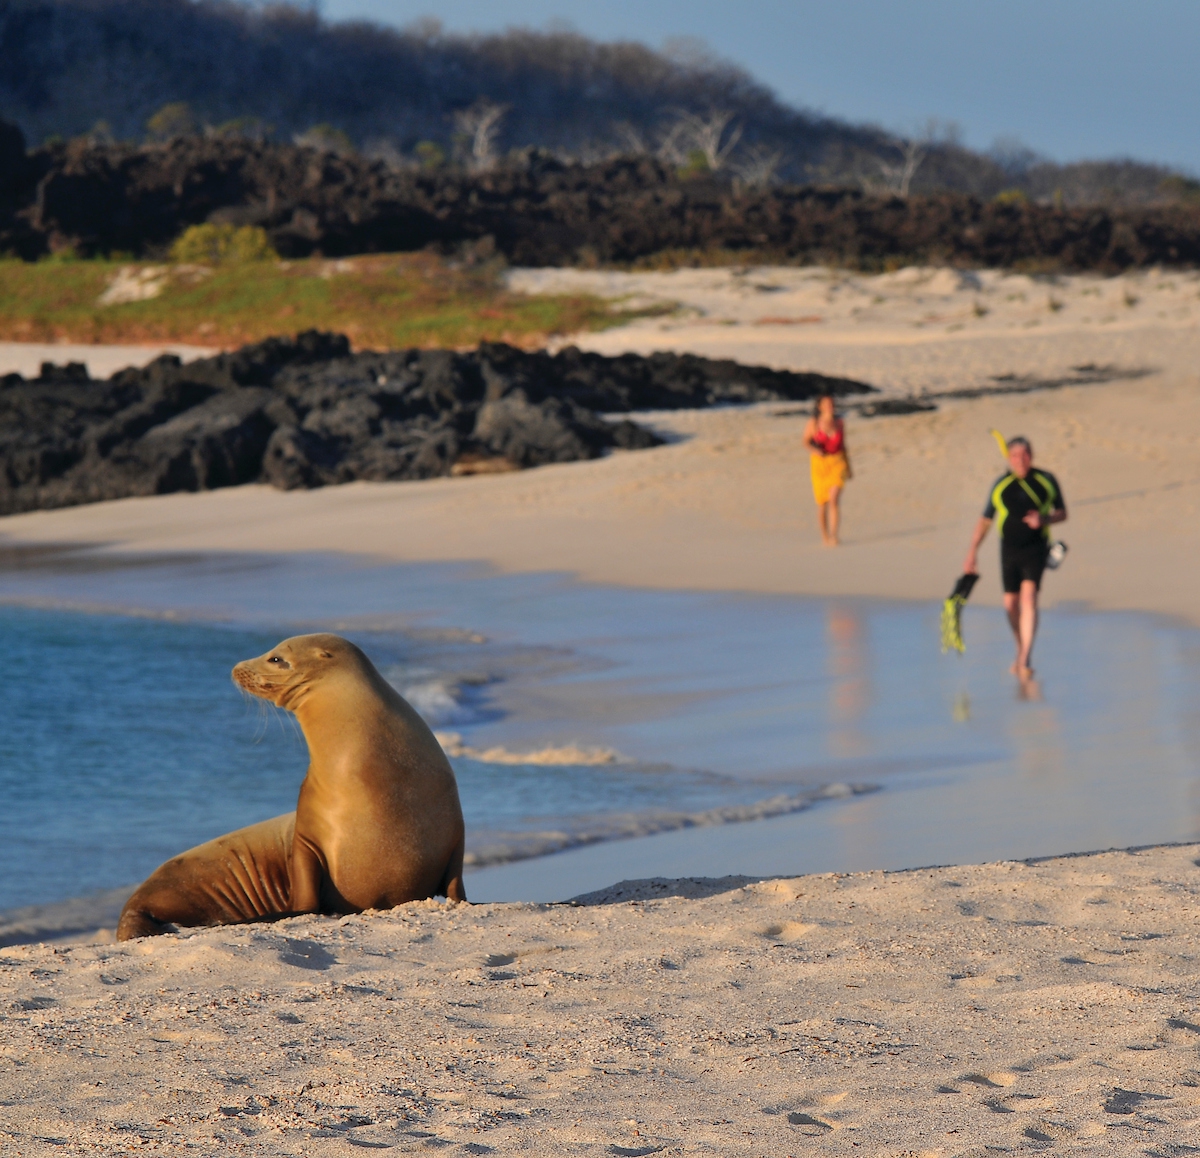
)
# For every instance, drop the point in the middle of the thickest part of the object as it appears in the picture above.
(480, 124)
(913, 150)
(690, 134)
(708, 132)
(758, 166)
(899, 177)
(674, 142)
(630, 139)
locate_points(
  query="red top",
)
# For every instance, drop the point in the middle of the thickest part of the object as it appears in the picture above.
(829, 443)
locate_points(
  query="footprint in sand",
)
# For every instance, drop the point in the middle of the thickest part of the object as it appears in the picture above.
(785, 930)
(1001, 1079)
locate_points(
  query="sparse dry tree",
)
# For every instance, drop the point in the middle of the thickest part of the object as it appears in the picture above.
(674, 142)
(630, 139)
(758, 166)
(480, 125)
(913, 150)
(899, 176)
(690, 136)
(708, 133)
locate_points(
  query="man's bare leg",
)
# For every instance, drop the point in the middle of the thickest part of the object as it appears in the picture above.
(1027, 626)
(835, 515)
(1012, 608)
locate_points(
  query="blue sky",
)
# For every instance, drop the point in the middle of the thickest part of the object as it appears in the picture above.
(1070, 78)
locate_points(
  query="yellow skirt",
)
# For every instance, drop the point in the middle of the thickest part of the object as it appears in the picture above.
(828, 471)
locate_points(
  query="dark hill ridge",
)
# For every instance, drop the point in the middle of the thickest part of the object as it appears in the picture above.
(121, 68)
(307, 412)
(537, 210)
(67, 64)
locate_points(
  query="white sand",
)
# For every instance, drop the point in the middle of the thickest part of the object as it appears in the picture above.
(966, 1011)
(27, 357)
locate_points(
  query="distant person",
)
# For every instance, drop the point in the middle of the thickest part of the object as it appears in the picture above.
(830, 464)
(1025, 503)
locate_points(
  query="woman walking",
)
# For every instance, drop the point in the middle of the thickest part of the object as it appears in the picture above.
(826, 438)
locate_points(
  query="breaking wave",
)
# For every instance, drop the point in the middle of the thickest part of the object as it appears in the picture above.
(489, 848)
(565, 756)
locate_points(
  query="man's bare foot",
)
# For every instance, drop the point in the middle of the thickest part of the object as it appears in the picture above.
(1024, 673)
(1029, 690)
(1014, 668)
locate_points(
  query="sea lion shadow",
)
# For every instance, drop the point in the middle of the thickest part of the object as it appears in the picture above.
(306, 954)
(657, 888)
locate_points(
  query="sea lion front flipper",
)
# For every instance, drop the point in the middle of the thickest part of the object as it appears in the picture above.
(452, 887)
(307, 872)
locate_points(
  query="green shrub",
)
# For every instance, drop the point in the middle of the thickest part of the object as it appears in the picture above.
(1010, 197)
(173, 120)
(430, 154)
(327, 139)
(695, 165)
(1180, 188)
(222, 245)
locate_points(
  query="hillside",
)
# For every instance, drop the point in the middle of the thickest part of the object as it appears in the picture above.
(128, 70)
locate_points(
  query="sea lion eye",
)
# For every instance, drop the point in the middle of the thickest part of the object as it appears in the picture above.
(275, 659)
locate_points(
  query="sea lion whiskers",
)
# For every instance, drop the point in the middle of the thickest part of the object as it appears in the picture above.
(265, 711)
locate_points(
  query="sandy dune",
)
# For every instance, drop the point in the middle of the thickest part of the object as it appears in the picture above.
(1010, 1008)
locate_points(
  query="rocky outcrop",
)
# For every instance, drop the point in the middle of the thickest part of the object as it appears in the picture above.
(308, 413)
(536, 210)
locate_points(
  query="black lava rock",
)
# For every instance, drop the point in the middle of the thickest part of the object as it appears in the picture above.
(306, 413)
(537, 210)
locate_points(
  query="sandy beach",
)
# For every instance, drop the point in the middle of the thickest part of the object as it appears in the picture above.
(1009, 1007)
(727, 504)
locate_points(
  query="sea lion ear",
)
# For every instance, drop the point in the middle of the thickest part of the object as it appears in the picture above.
(325, 654)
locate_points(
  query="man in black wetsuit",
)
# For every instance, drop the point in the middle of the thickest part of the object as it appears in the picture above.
(1025, 503)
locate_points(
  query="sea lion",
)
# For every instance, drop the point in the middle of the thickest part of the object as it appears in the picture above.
(378, 821)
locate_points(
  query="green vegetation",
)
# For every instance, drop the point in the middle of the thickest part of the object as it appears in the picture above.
(209, 244)
(1181, 188)
(430, 155)
(381, 301)
(172, 120)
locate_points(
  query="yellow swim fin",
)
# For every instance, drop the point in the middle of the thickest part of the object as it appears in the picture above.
(1000, 442)
(952, 639)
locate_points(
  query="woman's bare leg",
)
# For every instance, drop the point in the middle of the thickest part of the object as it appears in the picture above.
(835, 515)
(823, 521)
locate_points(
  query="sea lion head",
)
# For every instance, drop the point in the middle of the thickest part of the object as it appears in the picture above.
(291, 669)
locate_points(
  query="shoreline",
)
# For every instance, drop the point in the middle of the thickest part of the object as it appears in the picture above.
(724, 506)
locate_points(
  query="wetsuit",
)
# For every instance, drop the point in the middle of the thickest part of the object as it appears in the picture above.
(1022, 549)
